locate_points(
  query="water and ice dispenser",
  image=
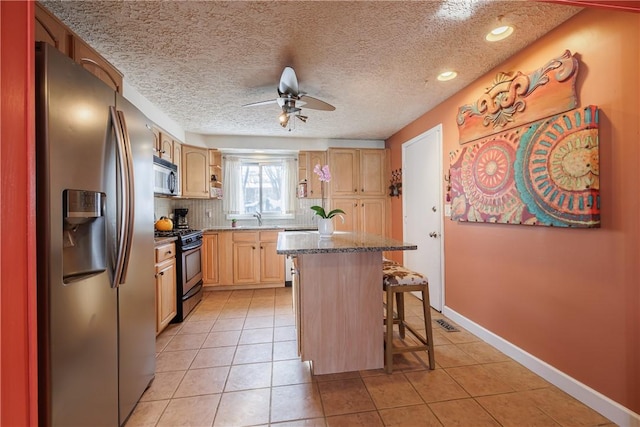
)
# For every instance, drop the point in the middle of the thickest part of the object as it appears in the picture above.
(84, 241)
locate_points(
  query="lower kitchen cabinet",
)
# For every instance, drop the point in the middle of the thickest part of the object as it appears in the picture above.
(246, 258)
(271, 264)
(210, 260)
(255, 260)
(166, 297)
(242, 259)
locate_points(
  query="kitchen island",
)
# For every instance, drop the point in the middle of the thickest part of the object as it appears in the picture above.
(337, 297)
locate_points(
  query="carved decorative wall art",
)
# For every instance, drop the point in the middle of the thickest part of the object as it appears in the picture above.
(544, 173)
(514, 99)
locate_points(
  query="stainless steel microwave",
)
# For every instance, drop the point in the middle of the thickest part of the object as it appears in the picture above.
(165, 177)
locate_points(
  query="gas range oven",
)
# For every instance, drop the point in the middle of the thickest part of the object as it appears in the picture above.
(188, 269)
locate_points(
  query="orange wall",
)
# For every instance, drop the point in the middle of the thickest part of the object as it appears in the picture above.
(18, 383)
(570, 297)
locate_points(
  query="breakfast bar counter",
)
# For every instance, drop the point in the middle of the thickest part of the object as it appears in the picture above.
(337, 297)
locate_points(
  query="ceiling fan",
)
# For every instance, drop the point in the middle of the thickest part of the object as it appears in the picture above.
(291, 99)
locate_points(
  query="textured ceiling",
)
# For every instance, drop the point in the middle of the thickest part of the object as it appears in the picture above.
(376, 62)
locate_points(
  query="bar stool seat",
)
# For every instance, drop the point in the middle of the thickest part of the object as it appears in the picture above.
(396, 281)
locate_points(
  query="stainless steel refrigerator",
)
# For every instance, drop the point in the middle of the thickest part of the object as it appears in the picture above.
(96, 288)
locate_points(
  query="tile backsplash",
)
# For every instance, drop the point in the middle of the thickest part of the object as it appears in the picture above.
(206, 213)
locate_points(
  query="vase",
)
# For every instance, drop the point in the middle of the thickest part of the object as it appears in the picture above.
(325, 227)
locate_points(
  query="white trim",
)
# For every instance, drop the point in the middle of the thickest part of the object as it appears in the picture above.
(595, 400)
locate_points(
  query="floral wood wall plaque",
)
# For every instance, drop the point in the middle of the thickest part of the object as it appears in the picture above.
(543, 173)
(514, 99)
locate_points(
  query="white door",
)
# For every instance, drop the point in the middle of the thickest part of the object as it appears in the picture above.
(422, 209)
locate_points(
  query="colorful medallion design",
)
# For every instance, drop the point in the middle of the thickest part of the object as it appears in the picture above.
(545, 173)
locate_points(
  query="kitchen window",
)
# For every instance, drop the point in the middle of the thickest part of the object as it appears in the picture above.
(259, 184)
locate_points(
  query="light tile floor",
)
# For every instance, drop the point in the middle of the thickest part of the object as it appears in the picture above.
(234, 362)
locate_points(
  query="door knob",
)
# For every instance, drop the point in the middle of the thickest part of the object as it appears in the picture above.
(433, 234)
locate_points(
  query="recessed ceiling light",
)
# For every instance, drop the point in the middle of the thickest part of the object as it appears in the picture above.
(447, 75)
(499, 33)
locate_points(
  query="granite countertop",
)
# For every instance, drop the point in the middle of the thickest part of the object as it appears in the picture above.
(164, 240)
(309, 242)
(260, 228)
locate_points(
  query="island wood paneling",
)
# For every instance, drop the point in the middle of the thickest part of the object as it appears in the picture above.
(341, 311)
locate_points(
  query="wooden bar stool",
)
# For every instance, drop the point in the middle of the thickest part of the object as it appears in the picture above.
(396, 281)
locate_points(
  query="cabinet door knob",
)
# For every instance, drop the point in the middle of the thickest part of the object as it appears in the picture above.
(362, 190)
(355, 205)
(355, 190)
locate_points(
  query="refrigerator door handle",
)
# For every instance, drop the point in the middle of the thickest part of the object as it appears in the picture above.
(129, 194)
(124, 239)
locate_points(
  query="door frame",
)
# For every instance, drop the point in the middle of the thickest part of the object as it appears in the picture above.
(438, 131)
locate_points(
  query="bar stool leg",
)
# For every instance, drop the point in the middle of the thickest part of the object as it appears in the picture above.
(426, 308)
(400, 310)
(388, 350)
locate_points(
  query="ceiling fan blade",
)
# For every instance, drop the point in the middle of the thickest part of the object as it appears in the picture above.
(288, 83)
(254, 104)
(315, 104)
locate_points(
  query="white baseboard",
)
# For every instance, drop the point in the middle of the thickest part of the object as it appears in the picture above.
(597, 401)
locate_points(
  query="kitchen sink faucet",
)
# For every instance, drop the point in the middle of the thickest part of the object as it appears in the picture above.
(259, 216)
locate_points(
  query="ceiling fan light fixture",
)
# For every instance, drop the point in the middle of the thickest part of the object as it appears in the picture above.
(447, 75)
(284, 119)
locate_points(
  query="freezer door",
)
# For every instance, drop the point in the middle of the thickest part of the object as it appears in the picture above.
(77, 321)
(136, 296)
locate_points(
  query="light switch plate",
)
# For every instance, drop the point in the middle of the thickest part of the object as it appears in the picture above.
(447, 210)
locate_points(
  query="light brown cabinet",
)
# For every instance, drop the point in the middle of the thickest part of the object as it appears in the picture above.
(91, 60)
(358, 187)
(363, 215)
(166, 293)
(307, 161)
(51, 30)
(165, 147)
(357, 172)
(210, 257)
(242, 259)
(246, 258)
(255, 260)
(271, 264)
(195, 172)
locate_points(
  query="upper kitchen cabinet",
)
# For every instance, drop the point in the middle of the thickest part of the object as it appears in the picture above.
(50, 29)
(91, 60)
(307, 161)
(165, 147)
(357, 172)
(215, 170)
(195, 172)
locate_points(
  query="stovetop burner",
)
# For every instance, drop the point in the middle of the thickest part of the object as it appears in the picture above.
(177, 232)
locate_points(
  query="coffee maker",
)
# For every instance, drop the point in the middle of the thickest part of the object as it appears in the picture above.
(180, 217)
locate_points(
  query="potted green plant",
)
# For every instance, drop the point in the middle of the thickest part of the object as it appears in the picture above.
(325, 223)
